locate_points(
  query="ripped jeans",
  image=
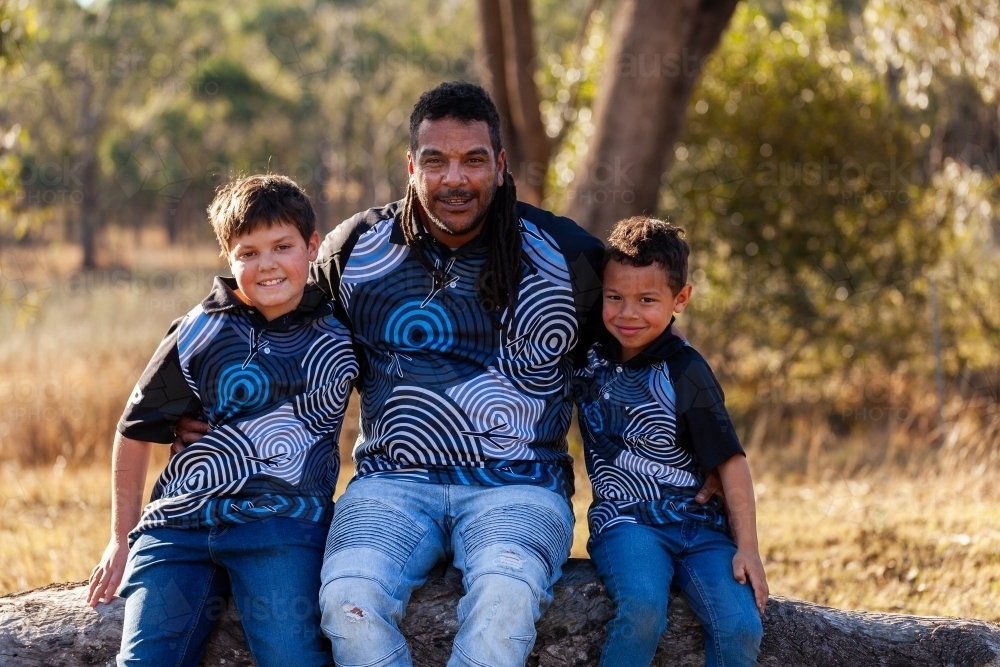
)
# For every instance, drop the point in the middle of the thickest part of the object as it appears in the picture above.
(509, 542)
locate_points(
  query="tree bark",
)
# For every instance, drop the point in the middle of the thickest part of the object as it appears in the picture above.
(656, 53)
(53, 626)
(509, 55)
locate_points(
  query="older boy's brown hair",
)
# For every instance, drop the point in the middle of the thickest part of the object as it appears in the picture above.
(262, 200)
(641, 241)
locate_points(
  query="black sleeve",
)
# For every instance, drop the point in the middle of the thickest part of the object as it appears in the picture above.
(704, 427)
(338, 245)
(584, 255)
(161, 396)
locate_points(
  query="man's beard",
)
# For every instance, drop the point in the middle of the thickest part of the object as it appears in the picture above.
(442, 225)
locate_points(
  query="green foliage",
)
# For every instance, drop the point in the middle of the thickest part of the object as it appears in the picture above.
(817, 222)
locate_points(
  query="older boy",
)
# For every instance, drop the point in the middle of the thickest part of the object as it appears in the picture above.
(263, 360)
(654, 426)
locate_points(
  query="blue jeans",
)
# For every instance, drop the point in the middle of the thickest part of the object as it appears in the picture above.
(177, 584)
(509, 542)
(637, 563)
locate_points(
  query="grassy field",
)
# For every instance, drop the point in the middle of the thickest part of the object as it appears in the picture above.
(914, 526)
(927, 546)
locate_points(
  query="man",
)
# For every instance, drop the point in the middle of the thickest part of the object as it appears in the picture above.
(469, 309)
(466, 306)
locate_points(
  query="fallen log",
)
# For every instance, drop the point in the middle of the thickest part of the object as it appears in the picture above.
(53, 626)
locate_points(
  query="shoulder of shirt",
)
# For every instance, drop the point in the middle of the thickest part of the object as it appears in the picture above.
(686, 358)
(571, 237)
(345, 235)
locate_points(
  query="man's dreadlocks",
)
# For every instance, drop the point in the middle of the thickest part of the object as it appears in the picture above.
(500, 278)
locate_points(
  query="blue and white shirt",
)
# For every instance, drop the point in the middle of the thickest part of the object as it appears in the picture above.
(274, 394)
(653, 427)
(447, 397)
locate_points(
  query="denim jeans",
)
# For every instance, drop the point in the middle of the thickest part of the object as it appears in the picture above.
(637, 563)
(509, 542)
(177, 584)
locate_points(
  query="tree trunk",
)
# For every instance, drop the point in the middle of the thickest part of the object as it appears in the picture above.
(657, 49)
(494, 73)
(53, 626)
(509, 55)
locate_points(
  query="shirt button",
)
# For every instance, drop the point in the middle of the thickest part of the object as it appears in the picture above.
(618, 369)
(607, 395)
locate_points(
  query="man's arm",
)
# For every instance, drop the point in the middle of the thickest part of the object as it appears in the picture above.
(735, 474)
(130, 461)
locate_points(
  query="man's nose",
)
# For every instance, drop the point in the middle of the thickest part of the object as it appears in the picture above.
(454, 174)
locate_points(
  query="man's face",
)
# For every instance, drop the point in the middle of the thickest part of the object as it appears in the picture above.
(456, 175)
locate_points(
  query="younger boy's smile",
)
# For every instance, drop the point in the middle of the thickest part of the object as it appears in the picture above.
(638, 304)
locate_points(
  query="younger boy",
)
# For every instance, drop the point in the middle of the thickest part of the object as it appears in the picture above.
(246, 509)
(654, 425)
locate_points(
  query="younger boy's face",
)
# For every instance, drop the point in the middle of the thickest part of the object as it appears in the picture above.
(638, 304)
(271, 266)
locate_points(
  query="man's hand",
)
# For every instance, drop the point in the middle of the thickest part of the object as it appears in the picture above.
(747, 566)
(711, 487)
(187, 431)
(107, 575)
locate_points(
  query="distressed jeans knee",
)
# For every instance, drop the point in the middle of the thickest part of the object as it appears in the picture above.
(497, 616)
(359, 618)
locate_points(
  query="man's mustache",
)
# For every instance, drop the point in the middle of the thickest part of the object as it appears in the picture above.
(455, 194)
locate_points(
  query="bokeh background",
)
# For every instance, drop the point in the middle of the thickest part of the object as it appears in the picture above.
(834, 165)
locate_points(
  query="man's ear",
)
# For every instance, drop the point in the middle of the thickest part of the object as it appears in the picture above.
(681, 299)
(409, 163)
(501, 166)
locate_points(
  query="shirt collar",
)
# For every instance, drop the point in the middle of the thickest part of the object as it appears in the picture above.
(664, 346)
(223, 297)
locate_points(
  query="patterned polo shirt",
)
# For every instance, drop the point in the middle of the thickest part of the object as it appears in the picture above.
(446, 396)
(653, 427)
(274, 394)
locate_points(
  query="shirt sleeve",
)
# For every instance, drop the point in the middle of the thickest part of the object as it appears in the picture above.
(584, 254)
(705, 428)
(161, 396)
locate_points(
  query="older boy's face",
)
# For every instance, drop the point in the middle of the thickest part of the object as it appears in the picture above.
(271, 266)
(638, 304)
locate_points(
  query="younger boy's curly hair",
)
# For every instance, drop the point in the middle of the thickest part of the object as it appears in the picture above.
(642, 241)
(248, 203)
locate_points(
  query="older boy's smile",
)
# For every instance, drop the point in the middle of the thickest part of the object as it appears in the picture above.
(271, 265)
